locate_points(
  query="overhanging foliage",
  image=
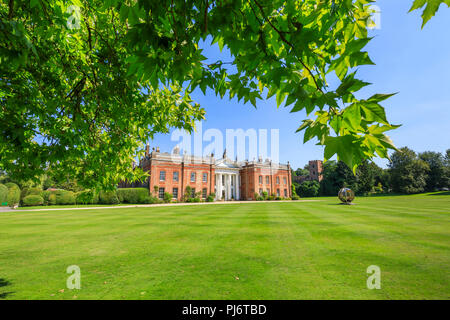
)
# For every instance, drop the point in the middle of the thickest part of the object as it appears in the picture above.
(82, 90)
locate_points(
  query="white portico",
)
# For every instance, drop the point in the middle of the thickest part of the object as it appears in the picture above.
(227, 180)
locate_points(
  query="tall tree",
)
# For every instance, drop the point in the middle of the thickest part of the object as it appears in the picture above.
(336, 175)
(447, 169)
(308, 189)
(366, 175)
(302, 172)
(408, 172)
(436, 177)
(83, 84)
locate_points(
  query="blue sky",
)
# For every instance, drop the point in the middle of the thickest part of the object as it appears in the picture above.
(409, 60)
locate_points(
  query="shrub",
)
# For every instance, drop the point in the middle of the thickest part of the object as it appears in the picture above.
(51, 199)
(11, 184)
(378, 188)
(85, 197)
(167, 197)
(149, 199)
(13, 197)
(196, 199)
(265, 195)
(64, 197)
(132, 195)
(187, 194)
(33, 200)
(3, 194)
(210, 198)
(96, 197)
(35, 191)
(308, 189)
(23, 193)
(294, 193)
(45, 195)
(108, 197)
(30, 191)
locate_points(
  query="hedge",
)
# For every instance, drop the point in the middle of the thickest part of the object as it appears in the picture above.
(33, 200)
(13, 194)
(35, 191)
(87, 197)
(108, 197)
(132, 195)
(30, 191)
(3, 194)
(11, 184)
(51, 199)
(64, 197)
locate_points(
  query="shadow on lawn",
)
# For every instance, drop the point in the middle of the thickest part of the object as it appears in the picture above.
(440, 193)
(4, 283)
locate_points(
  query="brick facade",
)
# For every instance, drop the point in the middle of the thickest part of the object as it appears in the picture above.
(240, 181)
(257, 177)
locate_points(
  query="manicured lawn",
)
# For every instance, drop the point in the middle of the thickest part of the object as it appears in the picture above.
(73, 206)
(307, 250)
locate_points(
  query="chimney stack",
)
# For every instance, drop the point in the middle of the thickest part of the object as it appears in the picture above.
(147, 149)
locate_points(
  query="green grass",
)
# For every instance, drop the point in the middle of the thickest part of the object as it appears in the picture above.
(303, 250)
(74, 206)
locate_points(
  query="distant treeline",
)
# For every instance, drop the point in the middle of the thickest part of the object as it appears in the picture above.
(408, 172)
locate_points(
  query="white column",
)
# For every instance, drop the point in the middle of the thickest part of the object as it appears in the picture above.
(229, 186)
(219, 187)
(236, 187)
(216, 185)
(225, 187)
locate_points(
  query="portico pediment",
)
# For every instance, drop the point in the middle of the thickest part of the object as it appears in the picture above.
(226, 164)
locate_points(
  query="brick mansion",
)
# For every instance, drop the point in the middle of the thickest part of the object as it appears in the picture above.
(227, 179)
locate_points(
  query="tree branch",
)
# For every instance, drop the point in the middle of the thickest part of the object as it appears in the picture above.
(283, 38)
(206, 16)
(11, 9)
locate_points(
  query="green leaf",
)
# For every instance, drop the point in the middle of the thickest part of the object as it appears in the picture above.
(281, 96)
(350, 84)
(432, 6)
(380, 97)
(373, 112)
(352, 116)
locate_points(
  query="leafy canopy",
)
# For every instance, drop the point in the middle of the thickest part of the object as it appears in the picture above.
(83, 84)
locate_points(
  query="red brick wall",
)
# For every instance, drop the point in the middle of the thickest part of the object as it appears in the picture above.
(168, 184)
(281, 181)
(315, 170)
(199, 169)
(250, 181)
(184, 177)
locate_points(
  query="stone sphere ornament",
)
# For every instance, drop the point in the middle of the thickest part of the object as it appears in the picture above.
(346, 195)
